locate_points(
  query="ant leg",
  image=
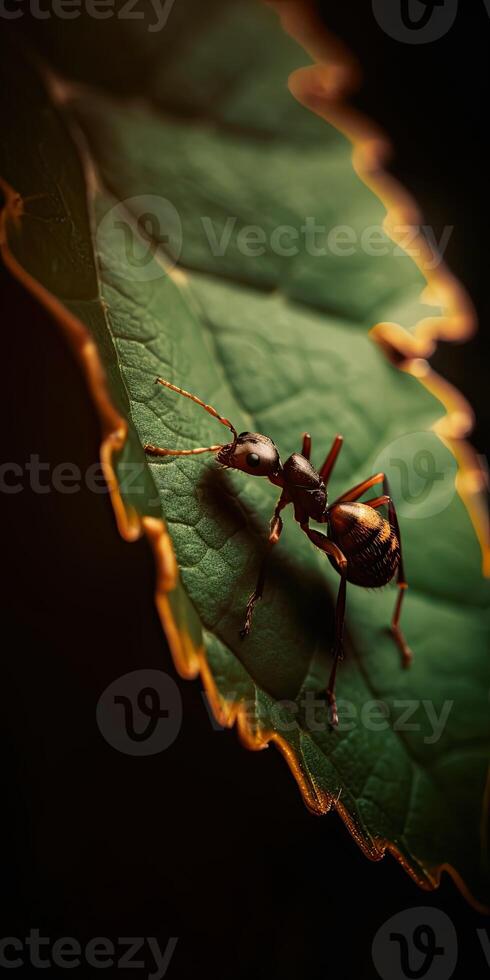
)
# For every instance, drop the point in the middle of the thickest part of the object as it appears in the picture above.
(355, 492)
(402, 583)
(376, 502)
(276, 526)
(328, 546)
(326, 469)
(306, 447)
(407, 655)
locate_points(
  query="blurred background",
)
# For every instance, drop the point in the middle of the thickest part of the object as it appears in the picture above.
(206, 841)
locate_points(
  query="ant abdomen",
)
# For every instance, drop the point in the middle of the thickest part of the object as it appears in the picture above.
(368, 541)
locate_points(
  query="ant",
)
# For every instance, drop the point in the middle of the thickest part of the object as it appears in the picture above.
(363, 546)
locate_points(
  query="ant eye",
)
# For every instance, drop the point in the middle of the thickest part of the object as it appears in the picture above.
(253, 459)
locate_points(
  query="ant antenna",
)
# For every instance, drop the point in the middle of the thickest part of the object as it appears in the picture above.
(158, 451)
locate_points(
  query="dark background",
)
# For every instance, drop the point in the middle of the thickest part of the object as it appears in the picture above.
(206, 841)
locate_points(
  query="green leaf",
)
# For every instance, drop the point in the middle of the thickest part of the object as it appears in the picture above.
(280, 344)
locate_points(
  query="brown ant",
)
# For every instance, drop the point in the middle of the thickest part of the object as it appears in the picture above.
(362, 545)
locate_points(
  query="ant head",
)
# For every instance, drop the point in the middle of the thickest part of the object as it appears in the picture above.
(252, 453)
